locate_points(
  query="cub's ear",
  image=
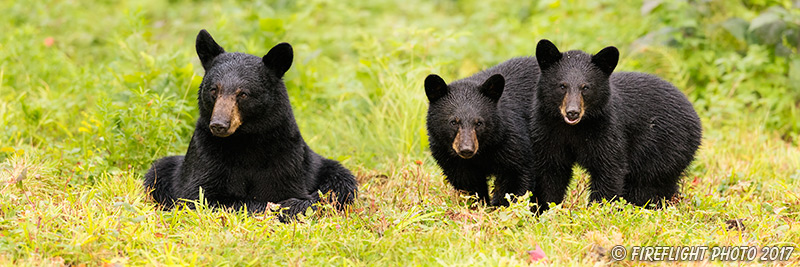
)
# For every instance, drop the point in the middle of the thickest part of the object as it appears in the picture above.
(279, 58)
(606, 59)
(435, 87)
(547, 54)
(207, 48)
(493, 87)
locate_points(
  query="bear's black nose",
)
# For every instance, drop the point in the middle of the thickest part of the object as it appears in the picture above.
(218, 128)
(466, 152)
(573, 114)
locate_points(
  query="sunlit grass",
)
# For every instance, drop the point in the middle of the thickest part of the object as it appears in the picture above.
(84, 116)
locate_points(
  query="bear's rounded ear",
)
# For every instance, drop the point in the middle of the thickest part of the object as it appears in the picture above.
(606, 59)
(207, 48)
(547, 54)
(435, 87)
(279, 58)
(493, 87)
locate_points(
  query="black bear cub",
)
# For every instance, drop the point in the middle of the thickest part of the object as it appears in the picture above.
(478, 126)
(634, 133)
(247, 150)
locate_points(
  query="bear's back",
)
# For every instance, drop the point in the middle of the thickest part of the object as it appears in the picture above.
(647, 95)
(521, 75)
(659, 121)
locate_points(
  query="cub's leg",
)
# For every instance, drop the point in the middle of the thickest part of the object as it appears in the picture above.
(467, 178)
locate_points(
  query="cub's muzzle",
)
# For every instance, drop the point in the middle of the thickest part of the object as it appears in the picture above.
(572, 108)
(466, 143)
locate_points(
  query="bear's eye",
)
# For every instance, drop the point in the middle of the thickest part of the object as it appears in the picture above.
(584, 87)
(562, 86)
(479, 123)
(453, 122)
(213, 90)
(243, 95)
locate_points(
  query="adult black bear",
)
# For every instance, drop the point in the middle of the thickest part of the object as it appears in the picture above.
(634, 133)
(478, 126)
(247, 150)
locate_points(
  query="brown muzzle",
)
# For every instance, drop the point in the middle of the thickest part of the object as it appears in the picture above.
(466, 143)
(225, 117)
(572, 108)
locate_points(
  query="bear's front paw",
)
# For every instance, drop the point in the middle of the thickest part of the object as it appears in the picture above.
(499, 201)
(291, 207)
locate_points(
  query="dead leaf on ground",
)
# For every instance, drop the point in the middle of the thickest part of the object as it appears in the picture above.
(598, 252)
(735, 224)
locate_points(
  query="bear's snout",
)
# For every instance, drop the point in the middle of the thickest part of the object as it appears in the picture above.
(225, 117)
(573, 114)
(466, 152)
(219, 128)
(572, 108)
(466, 143)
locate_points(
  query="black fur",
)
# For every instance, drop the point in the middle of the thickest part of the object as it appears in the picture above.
(637, 136)
(265, 160)
(496, 104)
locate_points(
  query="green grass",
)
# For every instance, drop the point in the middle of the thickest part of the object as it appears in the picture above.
(84, 116)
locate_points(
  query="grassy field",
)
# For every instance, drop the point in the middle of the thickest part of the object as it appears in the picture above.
(91, 92)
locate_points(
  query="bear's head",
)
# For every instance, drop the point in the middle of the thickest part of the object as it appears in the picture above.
(574, 84)
(463, 114)
(241, 93)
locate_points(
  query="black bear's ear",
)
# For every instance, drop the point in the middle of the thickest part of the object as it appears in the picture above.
(547, 54)
(493, 87)
(207, 48)
(606, 59)
(435, 87)
(279, 58)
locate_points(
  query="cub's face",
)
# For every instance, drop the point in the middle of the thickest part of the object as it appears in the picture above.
(574, 83)
(238, 89)
(461, 115)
